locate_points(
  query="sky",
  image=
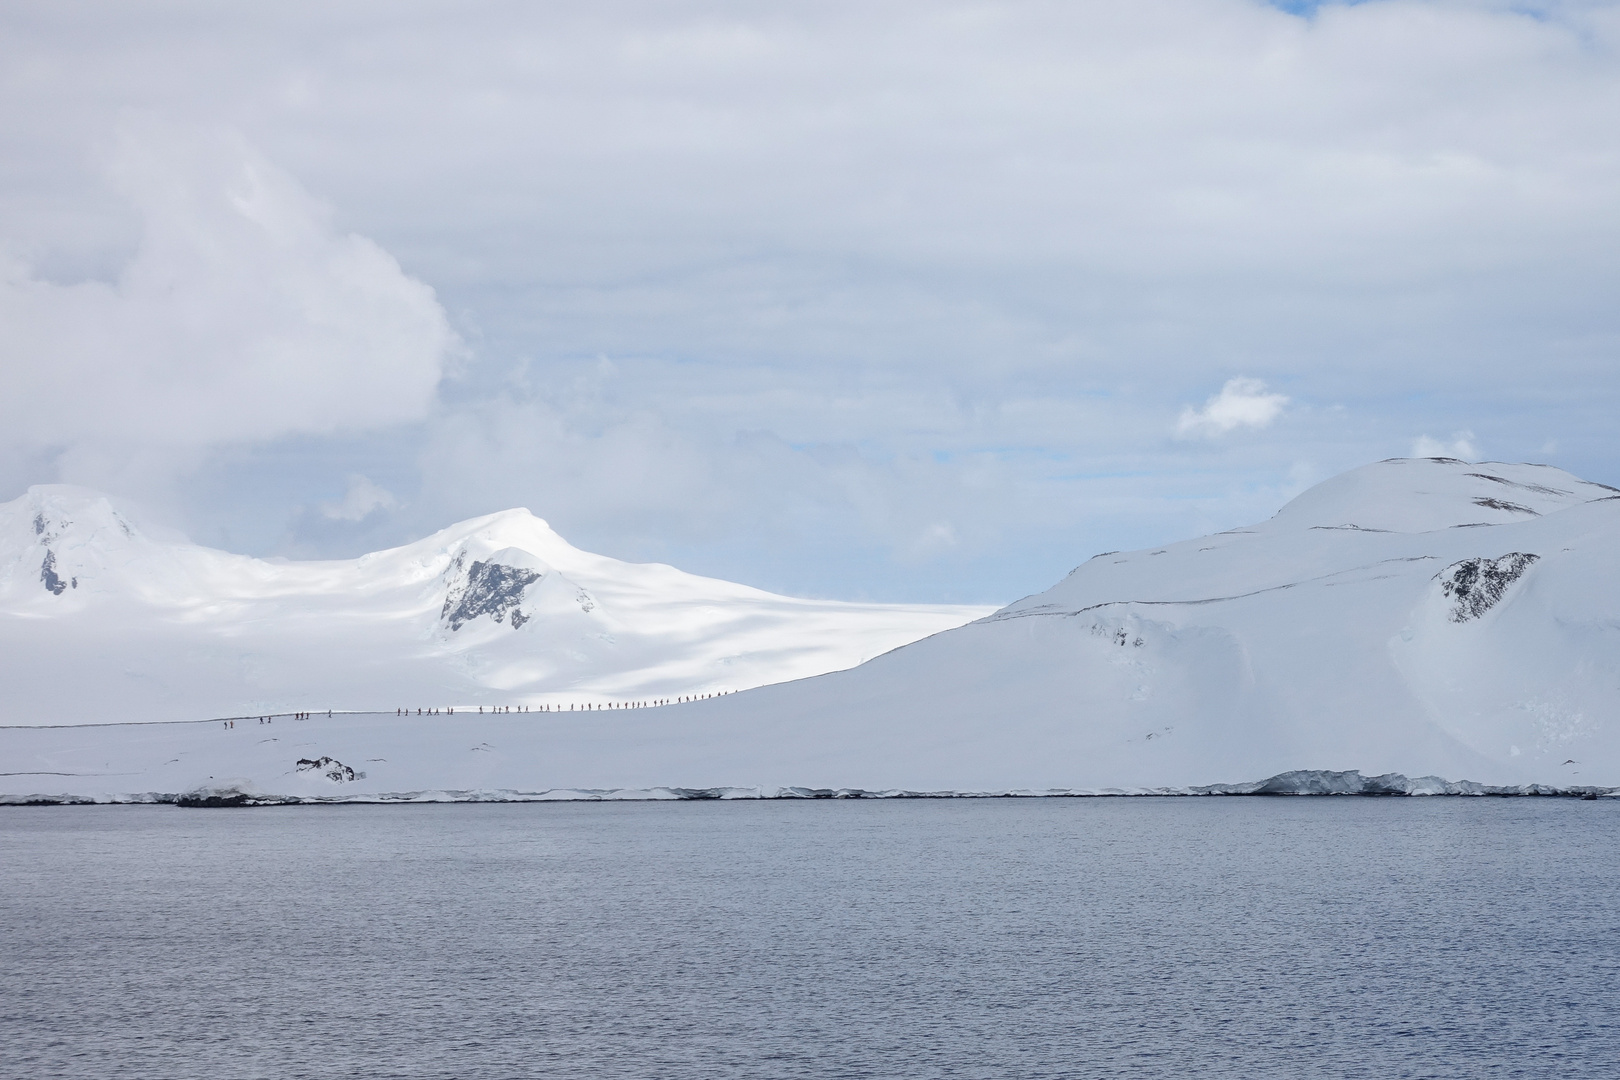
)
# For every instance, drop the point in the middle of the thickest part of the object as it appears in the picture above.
(924, 301)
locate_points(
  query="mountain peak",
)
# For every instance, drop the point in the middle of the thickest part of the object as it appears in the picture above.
(498, 608)
(53, 511)
(1414, 495)
(515, 528)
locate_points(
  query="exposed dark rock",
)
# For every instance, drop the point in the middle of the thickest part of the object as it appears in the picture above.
(1503, 504)
(1325, 782)
(47, 530)
(47, 574)
(1475, 585)
(1350, 528)
(215, 799)
(331, 768)
(1328, 782)
(1528, 487)
(492, 589)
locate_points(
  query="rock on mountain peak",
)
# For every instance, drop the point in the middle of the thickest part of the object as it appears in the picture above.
(99, 619)
(53, 513)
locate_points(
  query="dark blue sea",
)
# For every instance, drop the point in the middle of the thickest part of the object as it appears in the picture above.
(1072, 938)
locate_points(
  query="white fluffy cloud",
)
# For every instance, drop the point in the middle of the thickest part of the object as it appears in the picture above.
(1241, 403)
(363, 498)
(1461, 445)
(241, 316)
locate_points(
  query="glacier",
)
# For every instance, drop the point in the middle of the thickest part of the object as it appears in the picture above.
(101, 619)
(1414, 626)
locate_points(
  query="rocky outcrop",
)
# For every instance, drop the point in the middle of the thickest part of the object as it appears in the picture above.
(48, 575)
(330, 768)
(1503, 504)
(489, 588)
(1475, 585)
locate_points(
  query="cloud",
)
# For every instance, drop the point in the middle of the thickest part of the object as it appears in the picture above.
(242, 316)
(1021, 190)
(933, 539)
(864, 268)
(1241, 403)
(361, 500)
(678, 486)
(1461, 446)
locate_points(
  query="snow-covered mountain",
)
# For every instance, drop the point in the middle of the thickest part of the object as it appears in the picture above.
(100, 620)
(1431, 618)
(1424, 617)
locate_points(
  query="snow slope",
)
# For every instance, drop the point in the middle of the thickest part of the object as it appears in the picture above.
(100, 620)
(1423, 617)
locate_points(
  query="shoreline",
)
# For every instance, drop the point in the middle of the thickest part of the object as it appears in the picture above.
(1299, 783)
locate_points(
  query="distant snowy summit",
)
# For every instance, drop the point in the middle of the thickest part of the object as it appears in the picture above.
(101, 622)
(1426, 617)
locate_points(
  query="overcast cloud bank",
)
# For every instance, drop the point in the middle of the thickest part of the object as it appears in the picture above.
(906, 300)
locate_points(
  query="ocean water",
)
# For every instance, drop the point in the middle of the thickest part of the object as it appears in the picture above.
(1216, 937)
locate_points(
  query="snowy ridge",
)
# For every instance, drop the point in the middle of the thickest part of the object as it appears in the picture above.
(1411, 619)
(101, 619)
